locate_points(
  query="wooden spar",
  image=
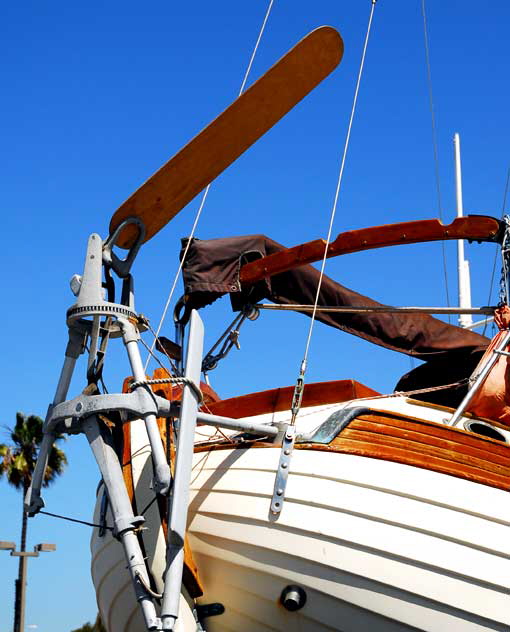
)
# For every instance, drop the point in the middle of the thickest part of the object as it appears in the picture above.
(217, 146)
(473, 227)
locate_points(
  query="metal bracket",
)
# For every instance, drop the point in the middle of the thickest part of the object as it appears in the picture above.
(229, 338)
(282, 474)
(121, 267)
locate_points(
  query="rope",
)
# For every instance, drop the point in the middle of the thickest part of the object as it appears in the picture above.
(88, 524)
(434, 143)
(298, 391)
(146, 587)
(170, 380)
(204, 197)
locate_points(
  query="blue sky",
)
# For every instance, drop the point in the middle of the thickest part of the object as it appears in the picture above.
(96, 96)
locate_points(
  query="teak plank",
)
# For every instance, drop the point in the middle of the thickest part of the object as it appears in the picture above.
(410, 445)
(462, 437)
(417, 437)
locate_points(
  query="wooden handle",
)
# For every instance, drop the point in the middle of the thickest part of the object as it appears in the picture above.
(251, 115)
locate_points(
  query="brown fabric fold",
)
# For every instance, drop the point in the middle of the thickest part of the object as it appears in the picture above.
(212, 269)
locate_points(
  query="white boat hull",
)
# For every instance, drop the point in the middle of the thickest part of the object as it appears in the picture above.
(376, 545)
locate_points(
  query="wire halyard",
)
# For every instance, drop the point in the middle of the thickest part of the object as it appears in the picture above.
(434, 145)
(204, 196)
(300, 383)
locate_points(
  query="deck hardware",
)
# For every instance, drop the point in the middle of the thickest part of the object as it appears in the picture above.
(333, 426)
(122, 266)
(293, 598)
(229, 338)
(282, 473)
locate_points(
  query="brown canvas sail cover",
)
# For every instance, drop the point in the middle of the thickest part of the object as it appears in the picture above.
(211, 269)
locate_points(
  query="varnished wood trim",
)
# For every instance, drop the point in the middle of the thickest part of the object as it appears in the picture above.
(477, 227)
(127, 471)
(411, 442)
(458, 435)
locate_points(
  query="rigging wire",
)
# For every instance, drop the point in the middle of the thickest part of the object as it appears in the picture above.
(299, 387)
(434, 144)
(92, 524)
(69, 519)
(204, 196)
(505, 194)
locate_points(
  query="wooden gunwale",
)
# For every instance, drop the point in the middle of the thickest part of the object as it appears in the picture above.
(398, 428)
(409, 441)
(437, 430)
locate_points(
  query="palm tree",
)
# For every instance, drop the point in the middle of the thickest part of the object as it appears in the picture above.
(96, 627)
(17, 462)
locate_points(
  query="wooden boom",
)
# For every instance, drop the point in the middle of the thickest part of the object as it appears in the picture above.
(473, 227)
(217, 146)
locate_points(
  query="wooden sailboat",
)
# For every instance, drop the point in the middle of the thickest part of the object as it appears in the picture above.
(391, 520)
(351, 511)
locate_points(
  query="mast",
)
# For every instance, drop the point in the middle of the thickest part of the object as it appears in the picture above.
(465, 320)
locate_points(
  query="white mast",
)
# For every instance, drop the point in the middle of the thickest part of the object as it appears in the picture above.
(465, 320)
